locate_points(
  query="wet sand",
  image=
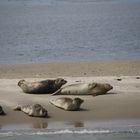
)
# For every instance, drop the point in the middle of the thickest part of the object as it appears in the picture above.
(120, 103)
(72, 69)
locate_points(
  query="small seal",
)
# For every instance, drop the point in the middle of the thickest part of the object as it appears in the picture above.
(1, 111)
(67, 104)
(40, 87)
(85, 89)
(35, 110)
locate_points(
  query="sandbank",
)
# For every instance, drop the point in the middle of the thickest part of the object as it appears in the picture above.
(120, 103)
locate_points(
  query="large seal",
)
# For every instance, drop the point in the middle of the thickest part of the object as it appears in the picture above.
(35, 110)
(84, 89)
(46, 86)
(1, 111)
(67, 104)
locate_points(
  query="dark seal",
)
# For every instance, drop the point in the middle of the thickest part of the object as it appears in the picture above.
(40, 87)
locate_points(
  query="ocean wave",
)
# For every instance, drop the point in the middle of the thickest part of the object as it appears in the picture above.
(66, 131)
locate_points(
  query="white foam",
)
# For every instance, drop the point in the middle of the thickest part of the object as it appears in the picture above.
(10, 133)
(65, 131)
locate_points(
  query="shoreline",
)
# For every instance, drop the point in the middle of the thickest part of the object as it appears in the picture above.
(119, 124)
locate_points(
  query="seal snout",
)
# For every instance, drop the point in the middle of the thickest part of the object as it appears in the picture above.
(111, 87)
(64, 81)
(61, 80)
(108, 87)
(45, 113)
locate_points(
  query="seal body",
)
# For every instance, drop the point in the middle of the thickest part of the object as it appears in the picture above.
(1, 111)
(45, 86)
(35, 110)
(84, 89)
(67, 103)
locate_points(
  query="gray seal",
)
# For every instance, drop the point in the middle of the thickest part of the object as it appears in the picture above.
(35, 110)
(1, 111)
(67, 104)
(84, 89)
(40, 87)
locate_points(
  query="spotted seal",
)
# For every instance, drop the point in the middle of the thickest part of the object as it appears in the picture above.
(84, 89)
(35, 110)
(67, 104)
(39, 87)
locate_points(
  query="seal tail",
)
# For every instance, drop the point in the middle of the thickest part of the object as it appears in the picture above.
(57, 92)
(18, 108)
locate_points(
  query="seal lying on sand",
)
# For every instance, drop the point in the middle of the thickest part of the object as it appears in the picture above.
(34, 110)
(67, 103)
(84, 89)
(1, 111)
(46, 86)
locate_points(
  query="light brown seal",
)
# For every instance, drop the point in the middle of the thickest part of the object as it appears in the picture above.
(35, 110)
(85, 89)
(1, 111)
(67, 103)
(39, 87)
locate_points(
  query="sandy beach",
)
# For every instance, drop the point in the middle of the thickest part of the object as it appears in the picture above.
(120, 103)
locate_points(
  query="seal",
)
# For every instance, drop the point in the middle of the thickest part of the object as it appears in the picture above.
(67, 104)
(40, 87)
(1, 111)
(35, 110)
(85, 89)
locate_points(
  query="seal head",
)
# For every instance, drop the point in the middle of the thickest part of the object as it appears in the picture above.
(21, 82)
(76, 104)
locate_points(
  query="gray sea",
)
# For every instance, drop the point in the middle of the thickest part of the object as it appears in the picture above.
(41, 31)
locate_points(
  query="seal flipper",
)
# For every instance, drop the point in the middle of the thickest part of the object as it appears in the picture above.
(52, 102)
(57, 92)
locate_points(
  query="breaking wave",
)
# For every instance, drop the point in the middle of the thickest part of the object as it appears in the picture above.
(66, 131)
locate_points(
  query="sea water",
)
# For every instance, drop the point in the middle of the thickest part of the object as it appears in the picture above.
(118, 130)
(41, 31)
